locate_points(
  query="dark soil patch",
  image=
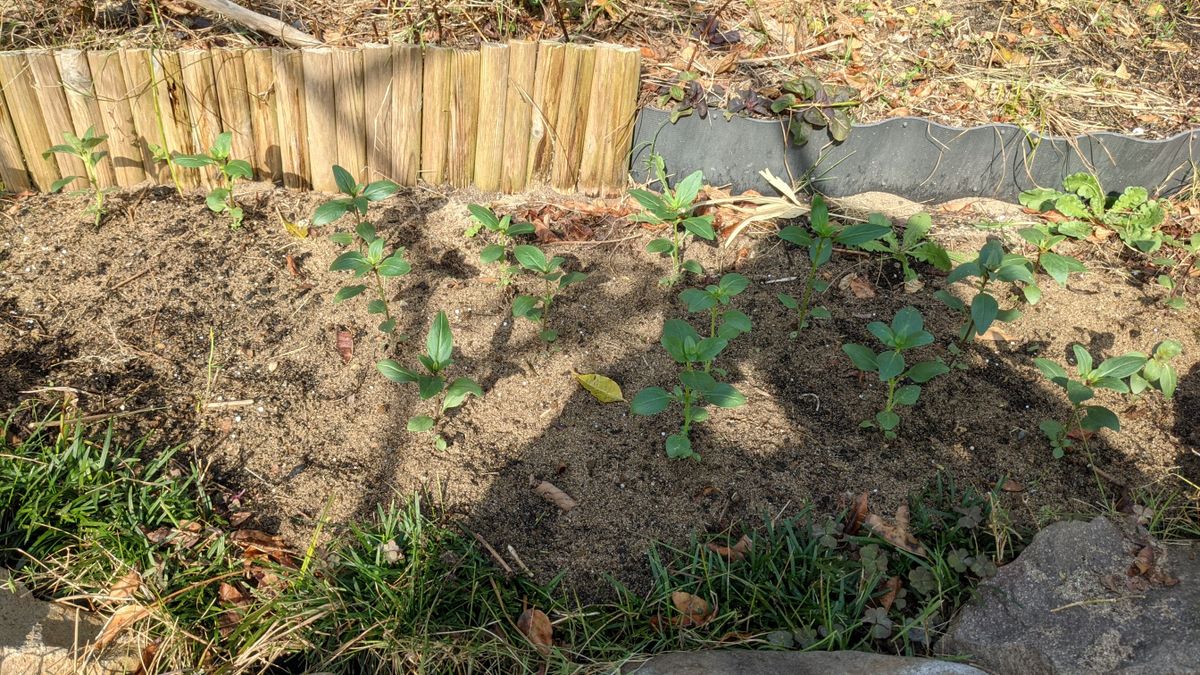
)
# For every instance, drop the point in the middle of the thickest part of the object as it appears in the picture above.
(123, 315)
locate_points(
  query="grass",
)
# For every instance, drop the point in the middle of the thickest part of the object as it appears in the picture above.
(410, 591)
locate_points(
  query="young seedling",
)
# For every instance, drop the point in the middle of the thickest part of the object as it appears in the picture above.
(674, 208)
(1181, 269)
(503, 231)
(221, 199)
(85, 150)
(1158, 371)
(1087, 419)
(912, 245)
(356, 199)
(439, 347)
(1132, 215)
(820, 248)
(697, 387)
(991, 264)
(714, 299)
(537, 308)
(907, 332)
(1058, 266)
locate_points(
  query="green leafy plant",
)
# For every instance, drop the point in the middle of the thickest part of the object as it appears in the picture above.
(1132, 214)
(697, 386)
(907, 332)
(1158, 371)
(537, 308)
(914, 244)
(1180, 269)
(810, 105)
(1058, 266)
(371, 256)
(992, 264)
(1087, 419)
(715, 299)
(820, 242)
(674, 209)
(83, 148)
(221, 199)
(684, 96)
(503, 230)
(439, 348)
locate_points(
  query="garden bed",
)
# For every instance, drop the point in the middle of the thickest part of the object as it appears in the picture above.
(119, 319)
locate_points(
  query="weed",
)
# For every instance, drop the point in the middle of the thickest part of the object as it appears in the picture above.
(1180, 269)
(696, 387)
(810, 105)
(83, 148)
(820, 245)
(914, 244)
(537, 308)
(1132, 214)
(1158, 371)
(439, 346)
(675, 209)
(221, 199)
(906, 332)
(503, 230)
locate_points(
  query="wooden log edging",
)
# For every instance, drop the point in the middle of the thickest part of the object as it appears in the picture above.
(508, 117)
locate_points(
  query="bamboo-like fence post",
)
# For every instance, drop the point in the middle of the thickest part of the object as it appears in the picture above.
(108, 77)
(609, 129)
(233, 97)
(351, 118)
(204, 109)
(12, 164)
(407, 103)
(291, 117)
(377, 109)
(489, 138)
(262, 91)
(464, 117)
(139, 73)
(435, 114)
(171, 106)
(26, 115)
(320, 110)
(55, 112)
(546, 87)
(76, 77)
(518, 114)
(573, 101)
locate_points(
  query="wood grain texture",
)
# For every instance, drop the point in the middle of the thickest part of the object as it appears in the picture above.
(291, 117)
(489, 136)
(139, 72)
(609, 130)
(171, 102)
(546, 87)
(573, 101)
(377, 108)
(76, 77)
(320, 112)
(229, 72)
(17, 85)
(435, 114)
(407, 104)
(112, 94)
(56, 114)
(261, 91)
(464, 118)
(204, 109)
(12, 162)
(518, 113)
(351, 118)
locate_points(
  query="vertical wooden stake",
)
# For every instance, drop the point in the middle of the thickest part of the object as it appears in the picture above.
(518, 114)
(546, 87)
(406, 113)
(464, 117)
(138, 71)
(377, 106)
(573, 106)
(112, 95)
(291, 117)
(321, 117)
(12, 163)
(27, 119)
(262, 90)
(76, 78)
(233, 97)
(608, 135)
(172, 107)
(351, 120)
(204, 109)
(489, 142)
(435, 114)
(55, 112)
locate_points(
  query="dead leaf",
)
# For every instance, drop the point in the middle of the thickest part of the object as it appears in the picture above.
(238, 518)
(858, 512)
(555, 496)
(127, 586)
(857, 286)
(291, 265)
(994, 334)
(602, 388)
(536, 626)
(893, 586)
(186, 535)
(1142, 562)
(732, 553)
(1003, 56)
(345, 345)
(694, 610)
(120, 620)
(257, 545)
(1011, 485)
(900, 112)
(898, 534)
(231, 595)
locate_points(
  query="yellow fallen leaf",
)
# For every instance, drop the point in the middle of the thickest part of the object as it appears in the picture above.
(298, 230)
(118, 622)
(604, 389)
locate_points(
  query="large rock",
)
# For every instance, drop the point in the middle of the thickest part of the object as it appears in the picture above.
(1070, 603)
(745, 662)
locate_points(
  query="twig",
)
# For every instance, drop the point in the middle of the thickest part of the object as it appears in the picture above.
(781, 57)
(229, 404)
(32, 426)
(257, 22)
(131, 279)
(520, 563)
(590, 242)
(1096, 601)
(495, 556)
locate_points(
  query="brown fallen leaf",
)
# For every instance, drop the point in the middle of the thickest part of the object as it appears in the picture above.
(186, 535)
(893, 589)
(120, 620)
(230, 594)
(694, 611)
(291, 266)
(857, 286)
(552, 494)
(858, 512)
(536, 626)
(994, 334)
(1011, 485)
(732, 553)
(345, 345)
(1143, 562)
(127, 586)
(897, 534)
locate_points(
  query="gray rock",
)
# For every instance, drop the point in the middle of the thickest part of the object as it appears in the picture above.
(746, 662)
(1067, 605)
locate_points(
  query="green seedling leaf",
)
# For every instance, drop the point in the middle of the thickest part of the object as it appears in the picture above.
(430, 386)
(679, 447)
(380, 190)
(420, 423)
(660, 246)
(650, 401)
(863, 358)
(891, 364)
(440, 342)
(331, 211)
(345, 182)
(396, 372)
(491, 253)
(347, 293)
(459, 390)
